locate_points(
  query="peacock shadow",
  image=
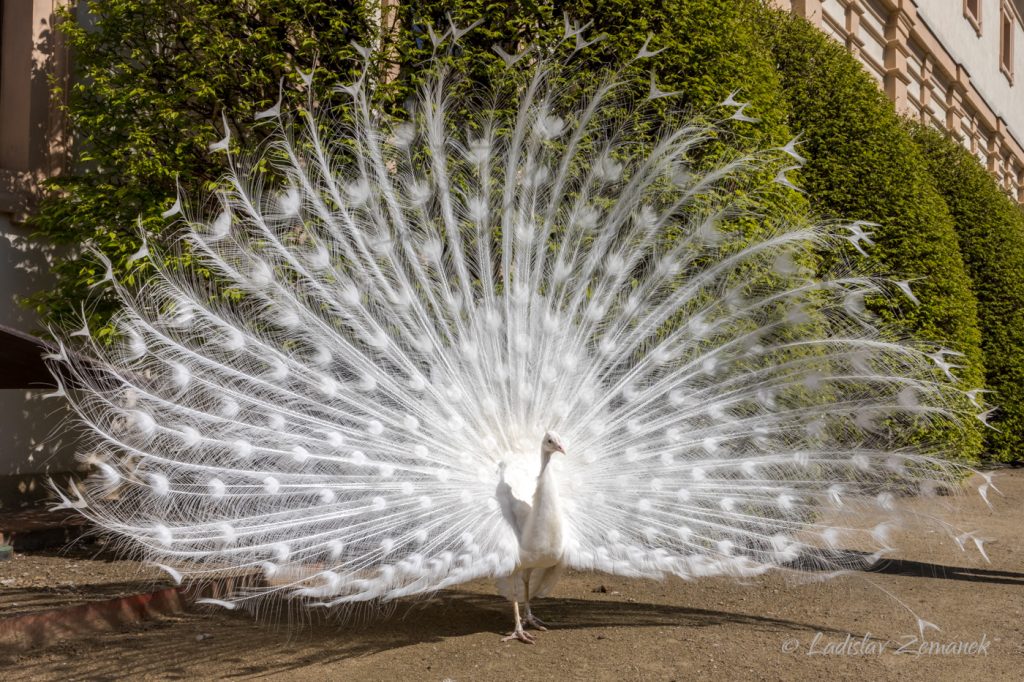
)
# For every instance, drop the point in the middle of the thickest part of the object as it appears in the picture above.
(825, 560)
(180, 647)
(259, 649)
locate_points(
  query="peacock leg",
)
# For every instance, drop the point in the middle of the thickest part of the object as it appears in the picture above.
(519, 633)
(530, 619)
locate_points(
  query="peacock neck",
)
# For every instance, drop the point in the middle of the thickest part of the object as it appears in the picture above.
(545, 459)
(545, 491)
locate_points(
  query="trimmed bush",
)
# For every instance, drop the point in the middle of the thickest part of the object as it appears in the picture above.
(990, 229)
(708, 50)
(862, 164)
(154, 79)
(711, 47)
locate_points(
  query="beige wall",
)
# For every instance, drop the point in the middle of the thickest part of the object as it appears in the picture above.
(31, 130)
(936, 66)
(978, 52)
(32, 145)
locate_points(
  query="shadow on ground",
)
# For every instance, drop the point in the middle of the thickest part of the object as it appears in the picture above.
(285, 641)
(849, 560)
(921, 569)
(170, 651)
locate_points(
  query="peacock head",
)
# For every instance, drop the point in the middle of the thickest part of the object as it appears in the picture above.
(551, 443)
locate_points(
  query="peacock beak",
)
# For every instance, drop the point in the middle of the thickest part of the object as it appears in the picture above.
(560, 448)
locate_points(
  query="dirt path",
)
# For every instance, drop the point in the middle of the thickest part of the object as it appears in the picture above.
(770, 629)
(58, 578)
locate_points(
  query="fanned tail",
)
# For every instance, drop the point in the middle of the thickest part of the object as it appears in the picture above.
(323, 394)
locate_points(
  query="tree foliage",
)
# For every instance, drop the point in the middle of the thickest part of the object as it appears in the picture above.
(154, 82)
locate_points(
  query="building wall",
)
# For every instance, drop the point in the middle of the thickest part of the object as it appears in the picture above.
(25, 419)
(938, 66)
(31, 125)
(31, 150)
(978, 52)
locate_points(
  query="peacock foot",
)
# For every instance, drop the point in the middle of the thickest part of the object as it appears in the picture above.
(520, 634)
(534, 622)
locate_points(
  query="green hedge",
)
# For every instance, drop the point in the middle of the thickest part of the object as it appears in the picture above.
(151, 82)
(144, 110)
(708, 50)
(990, 228)
(711, 48)
(864, 165)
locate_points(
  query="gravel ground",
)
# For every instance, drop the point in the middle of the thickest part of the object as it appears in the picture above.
(608, 628)
(43, 580)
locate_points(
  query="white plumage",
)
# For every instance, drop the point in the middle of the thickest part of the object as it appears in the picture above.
(538, 529)
(345, 392)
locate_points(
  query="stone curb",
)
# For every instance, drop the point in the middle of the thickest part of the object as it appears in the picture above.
(44, 628)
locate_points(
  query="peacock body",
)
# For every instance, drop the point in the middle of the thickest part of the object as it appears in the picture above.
(350, 402)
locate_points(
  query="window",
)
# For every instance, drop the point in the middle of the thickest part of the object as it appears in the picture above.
(972, 12)
(1006, 26)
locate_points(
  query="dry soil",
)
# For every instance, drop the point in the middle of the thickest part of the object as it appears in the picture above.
(609, 628)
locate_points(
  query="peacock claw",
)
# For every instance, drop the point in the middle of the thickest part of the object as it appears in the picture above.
(522, 635)
(535, 623)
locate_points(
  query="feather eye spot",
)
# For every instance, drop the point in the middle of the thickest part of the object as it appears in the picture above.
(217, 488)
(242, 449)
(159, 484)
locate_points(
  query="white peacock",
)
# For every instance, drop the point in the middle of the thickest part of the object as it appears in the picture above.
(422, 302)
